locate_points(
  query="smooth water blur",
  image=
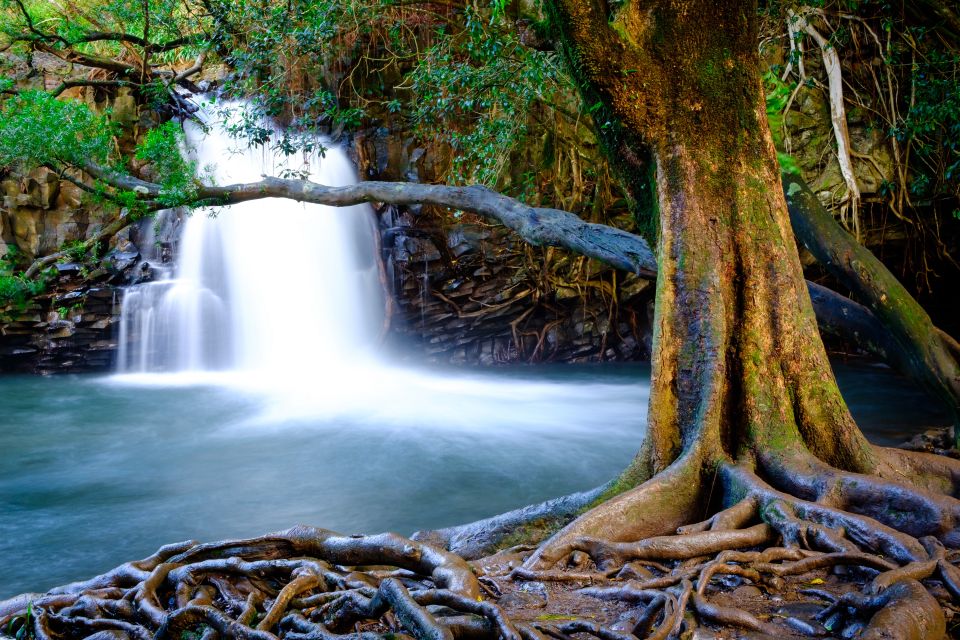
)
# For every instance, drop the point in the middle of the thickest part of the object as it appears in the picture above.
(273, 286)
(97, 471)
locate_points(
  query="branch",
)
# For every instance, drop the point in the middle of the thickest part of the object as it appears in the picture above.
(538, 226)
(67, 84)
(87, 60)
(921, 350)
(195, 68)
(116, 36)
(836, 314)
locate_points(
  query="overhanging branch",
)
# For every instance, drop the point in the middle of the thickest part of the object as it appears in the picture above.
(536, 225)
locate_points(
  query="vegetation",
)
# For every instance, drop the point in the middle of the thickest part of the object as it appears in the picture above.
(898, 78)
(752, 465)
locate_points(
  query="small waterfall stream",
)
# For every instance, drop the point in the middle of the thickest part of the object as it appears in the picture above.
(266, 286)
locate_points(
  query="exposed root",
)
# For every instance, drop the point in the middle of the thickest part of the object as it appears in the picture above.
(905, 611)
(265, 588)
(729, 617)
(615, 554)
(820, 531)
(312, 584)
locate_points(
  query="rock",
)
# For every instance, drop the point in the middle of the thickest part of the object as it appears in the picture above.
(117, 261)
(68, 267)
(43, 187)
(523, 600)
(124, 110)
(633, 285)
(536, 589)
(70, 298)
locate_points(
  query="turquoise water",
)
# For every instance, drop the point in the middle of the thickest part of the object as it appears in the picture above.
(95, 471)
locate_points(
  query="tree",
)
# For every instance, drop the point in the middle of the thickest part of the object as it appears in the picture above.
(746, 424)
(917, 348)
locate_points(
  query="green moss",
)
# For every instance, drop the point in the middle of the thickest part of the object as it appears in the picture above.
(532, 532)
(633, 476)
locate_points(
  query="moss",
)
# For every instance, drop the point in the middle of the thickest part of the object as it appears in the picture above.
(712, 74)
(631, 477)
(533, 532)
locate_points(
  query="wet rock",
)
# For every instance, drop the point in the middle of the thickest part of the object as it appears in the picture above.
(537, 589)
(117, 262)
(527, 597)
(66, 268)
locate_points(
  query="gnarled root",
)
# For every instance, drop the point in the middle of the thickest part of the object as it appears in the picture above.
(884, 562)
(269, 587)
(905, 610)
(657, 577)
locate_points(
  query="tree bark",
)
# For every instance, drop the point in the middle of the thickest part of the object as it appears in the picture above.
(739, 371)
(924, 352)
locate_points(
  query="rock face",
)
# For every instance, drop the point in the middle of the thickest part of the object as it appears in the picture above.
(467, 292)
(74, 327)
(61, 333)
(42, 213)
(70, 329)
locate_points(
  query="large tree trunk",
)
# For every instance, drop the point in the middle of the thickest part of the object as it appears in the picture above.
(740, 375)
(737, 356)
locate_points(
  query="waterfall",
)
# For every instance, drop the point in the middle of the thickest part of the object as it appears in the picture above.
(269, 286)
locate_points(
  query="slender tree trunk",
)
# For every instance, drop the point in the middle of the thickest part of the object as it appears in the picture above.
(925, 353)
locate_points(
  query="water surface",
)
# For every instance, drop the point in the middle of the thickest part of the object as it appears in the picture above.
(95, 471)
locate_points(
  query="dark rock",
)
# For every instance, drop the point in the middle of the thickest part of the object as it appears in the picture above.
(64, 268)
(117, 262)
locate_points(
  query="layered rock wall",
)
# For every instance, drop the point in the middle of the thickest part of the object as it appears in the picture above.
(468, 292)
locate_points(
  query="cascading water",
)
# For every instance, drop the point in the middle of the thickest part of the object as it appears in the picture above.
(270, 286)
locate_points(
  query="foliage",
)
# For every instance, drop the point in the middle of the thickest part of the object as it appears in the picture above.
(162, 148)
(777, 98)
(479, 88)
(70, 24)
(36, 129)
(933, 121)
(459, 74)
(901, 80)
(278, 52)
(17, 290)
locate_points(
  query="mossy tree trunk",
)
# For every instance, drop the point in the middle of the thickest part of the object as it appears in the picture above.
(923, 352)
(740, 378)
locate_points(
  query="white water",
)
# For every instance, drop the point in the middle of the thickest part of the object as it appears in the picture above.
(270, 287)
(281, 303)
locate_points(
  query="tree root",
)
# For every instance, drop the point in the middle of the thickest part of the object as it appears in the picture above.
(313, 584)
(819, 529)
(265, 588)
